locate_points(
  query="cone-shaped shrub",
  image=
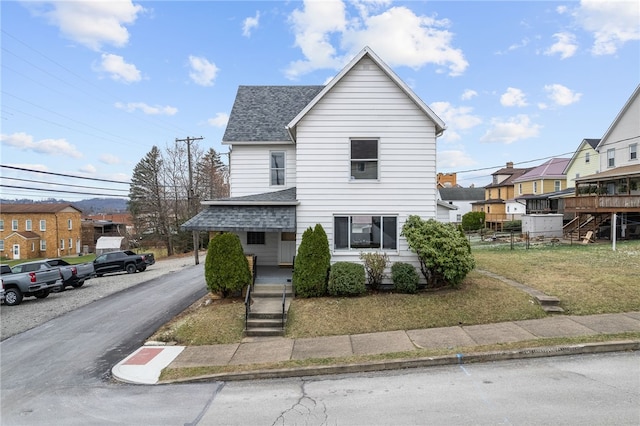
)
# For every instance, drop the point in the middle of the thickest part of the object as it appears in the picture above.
(226, 268)
(312, 263)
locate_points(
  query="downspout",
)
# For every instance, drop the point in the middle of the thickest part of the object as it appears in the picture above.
(57, 235)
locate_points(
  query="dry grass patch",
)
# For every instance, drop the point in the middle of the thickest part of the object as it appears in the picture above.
(480, 300)
(588, 279)
(206, 322)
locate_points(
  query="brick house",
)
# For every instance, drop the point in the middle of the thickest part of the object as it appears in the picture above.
(30, 231)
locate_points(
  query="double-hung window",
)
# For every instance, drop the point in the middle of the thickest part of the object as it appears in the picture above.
(14, 225)
(364, 159)
(633, 151)
(69, 224)
(611, 157)
(43, 225)
(277, 168)
(28, 225)
(556, 185)
(43, 245)
(359, 232)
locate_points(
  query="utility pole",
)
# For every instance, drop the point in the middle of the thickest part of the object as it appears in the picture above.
(191, 197)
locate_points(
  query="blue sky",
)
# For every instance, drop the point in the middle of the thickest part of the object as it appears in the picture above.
(89, 87)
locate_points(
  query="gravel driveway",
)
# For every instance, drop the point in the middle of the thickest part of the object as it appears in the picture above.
(33, 312)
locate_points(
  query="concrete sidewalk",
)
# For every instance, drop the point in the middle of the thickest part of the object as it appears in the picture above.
(145, 364)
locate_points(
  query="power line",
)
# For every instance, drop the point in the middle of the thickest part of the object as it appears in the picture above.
(65, 184)
(64, 175)
(60, 191)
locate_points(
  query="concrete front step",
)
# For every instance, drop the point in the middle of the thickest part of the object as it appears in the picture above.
(549, 304)
(264, 332)
(272, 290)
(264, 323)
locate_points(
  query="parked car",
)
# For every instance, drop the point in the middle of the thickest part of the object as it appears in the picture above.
(72, 275)
(18, 285)
(119, 261)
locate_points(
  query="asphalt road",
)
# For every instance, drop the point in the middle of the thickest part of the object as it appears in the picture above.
(58, 373)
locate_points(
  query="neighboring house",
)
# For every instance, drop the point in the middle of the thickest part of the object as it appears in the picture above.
(499, 203)
(357, 156)
(29, 231)
(462, 199)
(534, 187)
(447, 180)
(585, 161)
(612, 196)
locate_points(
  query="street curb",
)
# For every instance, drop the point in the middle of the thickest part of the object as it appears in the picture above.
(467, 358)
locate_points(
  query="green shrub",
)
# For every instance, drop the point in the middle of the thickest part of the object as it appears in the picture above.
(374, 265)
(512, 225)
(226, 268)
(405, 277)
(444, 255)
(472, 221)
(346, 279)
(312, 263)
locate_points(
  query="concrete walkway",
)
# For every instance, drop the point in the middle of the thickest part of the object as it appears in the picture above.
(144, 366)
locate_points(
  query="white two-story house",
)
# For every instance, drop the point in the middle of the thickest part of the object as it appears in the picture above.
(357, 156)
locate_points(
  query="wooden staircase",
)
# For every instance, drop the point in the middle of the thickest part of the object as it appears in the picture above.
(268, 311)
(577, 229)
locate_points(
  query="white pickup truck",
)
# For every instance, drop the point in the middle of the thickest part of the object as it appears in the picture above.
(38, 284)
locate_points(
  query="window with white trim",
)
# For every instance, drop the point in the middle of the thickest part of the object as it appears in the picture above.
(43, 225)
(1, 245)
(359, 232)
(62, 244)
(633, 151)
(277, 168)
(535, 187)
(611, 157)
(556, 185)
(587, 157)
(69, 224)
(364, 159)
(43, 245)
(14, 225)
(1, 224)
(70, 243)
(520, 188)
(28, 225)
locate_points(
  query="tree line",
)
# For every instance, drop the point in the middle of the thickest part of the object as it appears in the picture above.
(164, 194)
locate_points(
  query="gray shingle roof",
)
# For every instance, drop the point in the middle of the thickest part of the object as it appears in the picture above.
(261, 113)
(280, 197)
(244, 218)
(461, 194)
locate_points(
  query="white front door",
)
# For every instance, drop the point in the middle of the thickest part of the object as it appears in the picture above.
(287, 248)
(16, 252)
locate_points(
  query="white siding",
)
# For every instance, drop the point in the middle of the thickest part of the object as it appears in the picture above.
(365, 104)
(267, 253)
(624, 132)
(249, 169)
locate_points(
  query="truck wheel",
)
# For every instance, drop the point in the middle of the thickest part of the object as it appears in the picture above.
(77, 284)
(130, 268)
(41, 294)
(143, 268)
(12, 296)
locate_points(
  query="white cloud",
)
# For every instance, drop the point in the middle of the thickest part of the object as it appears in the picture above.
(202, 72)
(109, 159)
(147, 109)
(25, 142)
(514, 129)
(561, 95)
(90, 23)
(250, 24)
(468, 94)
(513, 97)
(523, 43)
(456, 118)
(565, 45)
(118, 69)
(220, 120)
(397, 34)
(88, 168)
(612, 23)
(454, 159)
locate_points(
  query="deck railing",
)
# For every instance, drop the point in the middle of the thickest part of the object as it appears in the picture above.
(602, 203)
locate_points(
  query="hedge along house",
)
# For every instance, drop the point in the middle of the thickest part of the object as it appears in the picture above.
(357, 156)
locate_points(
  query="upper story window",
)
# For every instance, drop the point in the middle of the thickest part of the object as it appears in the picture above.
(69, 224)
(365, 232)
(1, 224)
(28, 225)
(43, 225)
(633, 151)
(520, 188)
(364, 159)
(587, 157)
(277, 168)
(14, 225)
(556, 186)
(535, 187)
(611, 157)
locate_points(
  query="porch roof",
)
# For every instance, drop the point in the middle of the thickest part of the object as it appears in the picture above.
(267, 212)
(611, 174)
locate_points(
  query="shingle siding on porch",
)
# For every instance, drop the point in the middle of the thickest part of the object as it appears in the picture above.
(244, 218)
